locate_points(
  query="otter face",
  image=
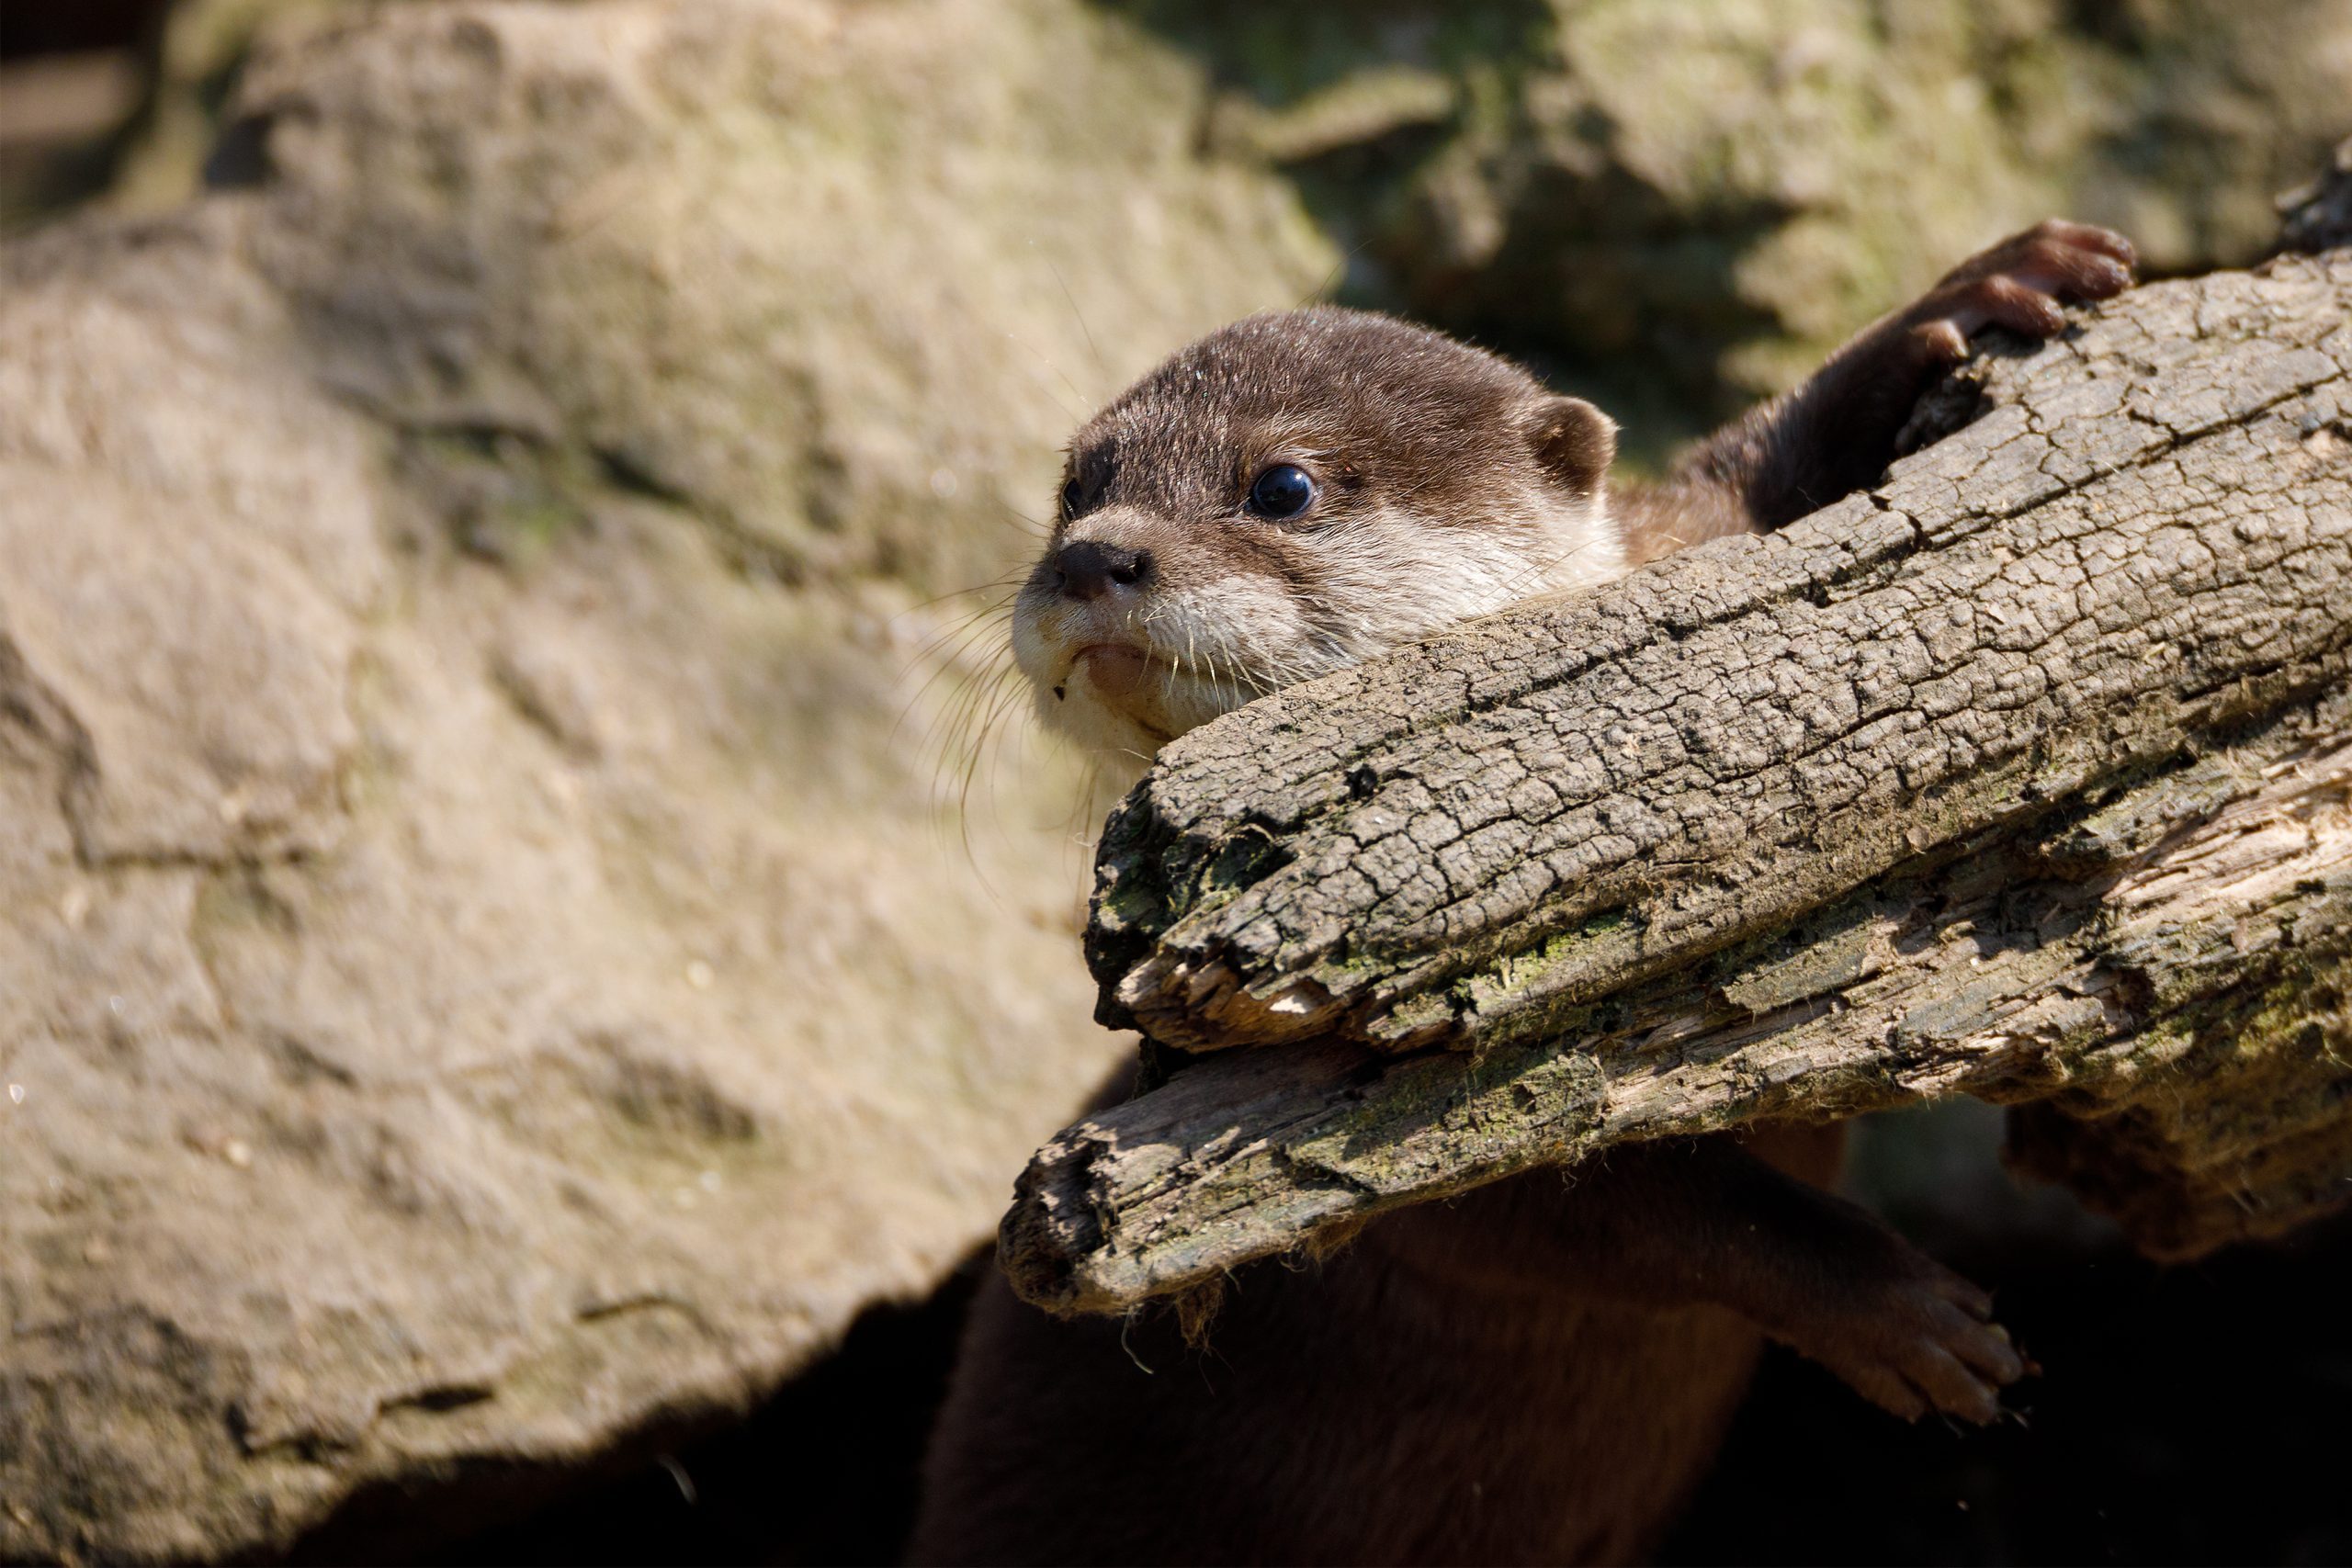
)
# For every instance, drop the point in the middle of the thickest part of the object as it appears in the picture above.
(1287, 496)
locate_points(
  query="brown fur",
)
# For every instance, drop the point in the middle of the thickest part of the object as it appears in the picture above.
(1439, 1391)
(1540, 1369)
(1450, 485)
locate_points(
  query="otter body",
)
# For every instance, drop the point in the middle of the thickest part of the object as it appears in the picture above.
(1448, 1389)
(1540, 1369)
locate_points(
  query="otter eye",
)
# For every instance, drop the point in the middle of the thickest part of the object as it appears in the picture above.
(1072, 499)
(1284, 491)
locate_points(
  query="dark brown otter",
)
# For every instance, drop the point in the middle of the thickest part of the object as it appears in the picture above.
(1540, 1369)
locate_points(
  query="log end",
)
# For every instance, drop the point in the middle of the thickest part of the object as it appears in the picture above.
(1052, 1223)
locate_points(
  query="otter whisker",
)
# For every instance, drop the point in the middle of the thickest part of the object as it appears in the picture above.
(950, 652)
(1091, 347)
(1028, 524)
(975, 770)
(960, 731)
(1083, 399)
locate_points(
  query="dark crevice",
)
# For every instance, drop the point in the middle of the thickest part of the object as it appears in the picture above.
(443, 1397)
(2181, 1415)
(625, 471)
(823, 1470)
(240, 159)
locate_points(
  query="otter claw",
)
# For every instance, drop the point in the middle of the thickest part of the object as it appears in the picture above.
(1922, 1341)
(2019, 283)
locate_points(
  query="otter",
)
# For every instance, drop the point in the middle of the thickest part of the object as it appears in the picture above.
(1539, 1370)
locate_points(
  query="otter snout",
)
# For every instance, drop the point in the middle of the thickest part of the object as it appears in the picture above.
(1133, 629)
(1088, 568)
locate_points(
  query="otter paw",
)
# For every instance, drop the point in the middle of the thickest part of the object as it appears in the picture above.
(2019, 283)
(1920, 1340)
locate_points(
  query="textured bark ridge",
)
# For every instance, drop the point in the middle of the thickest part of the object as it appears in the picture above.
(2027, 775)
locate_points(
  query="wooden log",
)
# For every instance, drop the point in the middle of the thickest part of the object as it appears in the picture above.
(2027, 775)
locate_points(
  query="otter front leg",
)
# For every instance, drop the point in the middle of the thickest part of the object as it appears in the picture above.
(1836, 433)
(1706, 1220)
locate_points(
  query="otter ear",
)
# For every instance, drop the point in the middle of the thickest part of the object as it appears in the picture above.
(1573, 441)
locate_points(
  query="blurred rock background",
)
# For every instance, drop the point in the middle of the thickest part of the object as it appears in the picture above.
(501, 971)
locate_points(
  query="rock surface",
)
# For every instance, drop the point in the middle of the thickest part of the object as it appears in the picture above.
(1704, 198)
(1678, 206)
(485, 967)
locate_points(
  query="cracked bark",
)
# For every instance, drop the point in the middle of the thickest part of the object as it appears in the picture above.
(2027, 775)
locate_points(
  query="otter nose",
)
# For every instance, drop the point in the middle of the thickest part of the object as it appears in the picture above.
(1088, 568)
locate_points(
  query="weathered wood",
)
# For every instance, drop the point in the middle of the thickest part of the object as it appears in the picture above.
(2024, 775)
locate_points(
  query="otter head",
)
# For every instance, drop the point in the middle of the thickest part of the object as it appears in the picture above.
(1291, 494)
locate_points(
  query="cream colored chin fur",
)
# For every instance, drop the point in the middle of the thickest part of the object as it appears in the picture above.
(1387, 580)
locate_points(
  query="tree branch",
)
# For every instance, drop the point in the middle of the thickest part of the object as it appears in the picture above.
(2025, 775)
